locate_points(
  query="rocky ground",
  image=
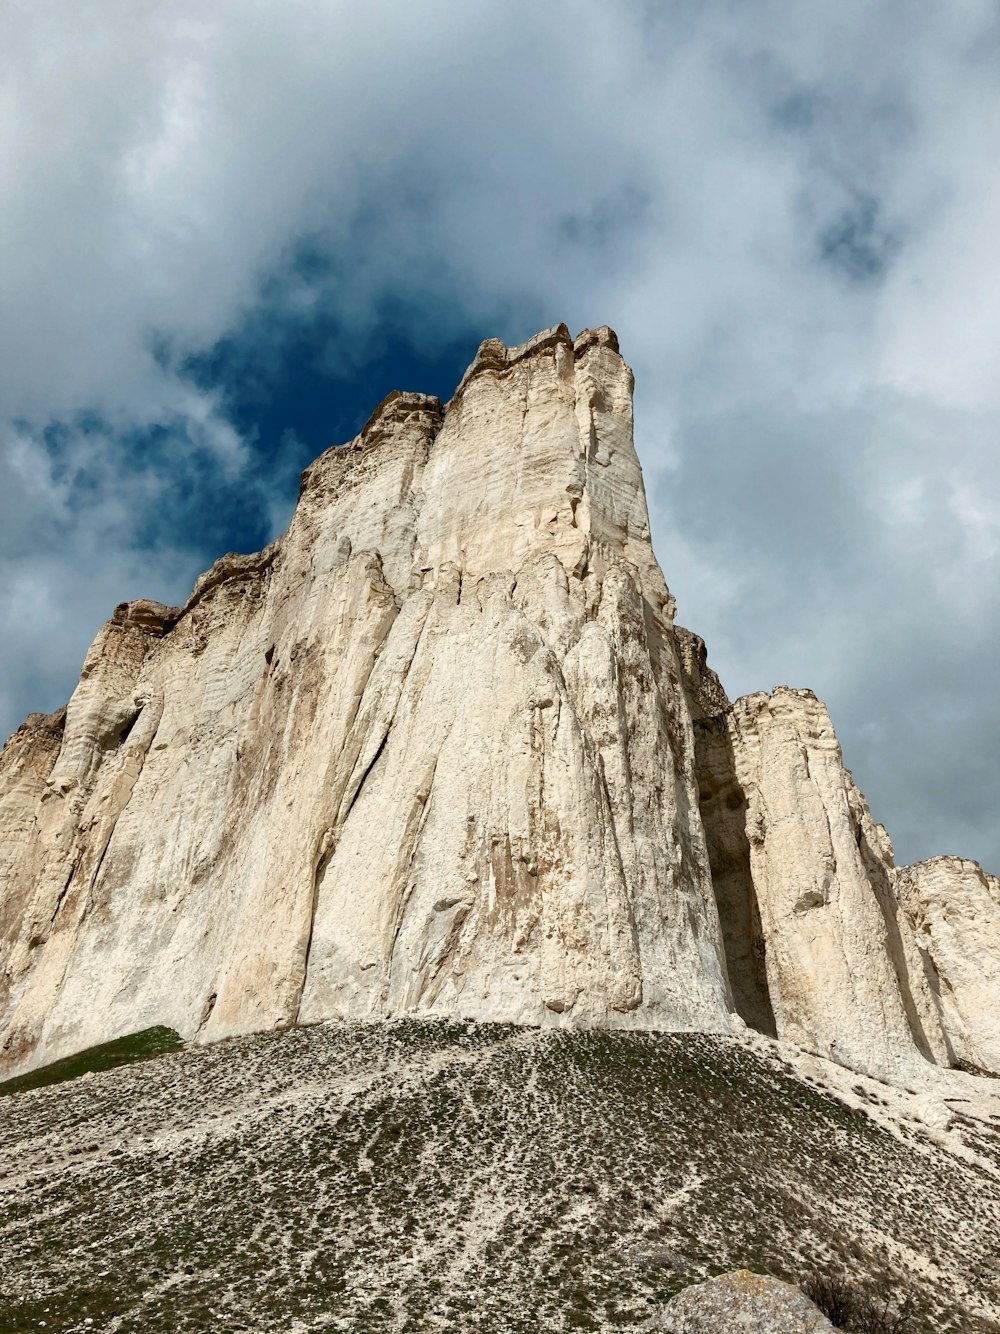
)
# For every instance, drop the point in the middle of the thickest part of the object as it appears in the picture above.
(416, 1176)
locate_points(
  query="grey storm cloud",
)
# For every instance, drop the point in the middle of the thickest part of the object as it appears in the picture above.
(788, 213)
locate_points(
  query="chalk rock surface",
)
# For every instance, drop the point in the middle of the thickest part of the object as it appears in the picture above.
(428, 752)
(807, 876)
(440, 749)
(829, 944)
(740, 1301)
(952, 908)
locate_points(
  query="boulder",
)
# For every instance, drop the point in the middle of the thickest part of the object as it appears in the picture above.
(740, 1301)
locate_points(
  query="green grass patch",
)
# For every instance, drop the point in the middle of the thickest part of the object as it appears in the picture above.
(122, 1051)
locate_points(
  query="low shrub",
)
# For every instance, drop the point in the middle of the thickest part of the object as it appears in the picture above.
(852, 1307)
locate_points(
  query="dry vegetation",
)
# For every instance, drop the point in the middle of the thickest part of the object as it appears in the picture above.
(414, 1176)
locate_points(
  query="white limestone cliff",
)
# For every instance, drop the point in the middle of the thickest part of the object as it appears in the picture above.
(839, 975)
(829, 944)
(952, 908)
(440, 749)
(428, 752)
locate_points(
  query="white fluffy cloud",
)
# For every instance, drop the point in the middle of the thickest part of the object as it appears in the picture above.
(788, 213)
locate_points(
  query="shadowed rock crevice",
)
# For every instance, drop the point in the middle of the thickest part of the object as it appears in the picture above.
(915, 972)
(723, 807)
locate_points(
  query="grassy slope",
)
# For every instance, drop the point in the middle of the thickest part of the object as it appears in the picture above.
(122, 1051)
(415, 1176)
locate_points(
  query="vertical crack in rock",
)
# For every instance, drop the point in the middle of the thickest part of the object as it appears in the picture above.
(408, 855)
(134, 740)
(913, 977)
(58, 903)
(324, 850)
(374, 715)
(353, 793)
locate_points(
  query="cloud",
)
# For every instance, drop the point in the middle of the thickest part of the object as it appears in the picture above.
(224, 226)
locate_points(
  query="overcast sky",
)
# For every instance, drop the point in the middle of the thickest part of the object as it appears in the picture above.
(227, 229)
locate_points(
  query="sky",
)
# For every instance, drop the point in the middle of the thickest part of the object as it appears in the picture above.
(228, 230)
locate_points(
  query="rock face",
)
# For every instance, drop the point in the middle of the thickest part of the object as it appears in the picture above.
(428, 752)
(829, 944)
(441, 749)
(740, 1301)
(952, 908)
(805, 874)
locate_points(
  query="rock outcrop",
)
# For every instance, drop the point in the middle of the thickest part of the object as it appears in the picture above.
(441, 749)
(952, 909)
(829, 944)
(804, 874)
(740, 1301)
(428, 752)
